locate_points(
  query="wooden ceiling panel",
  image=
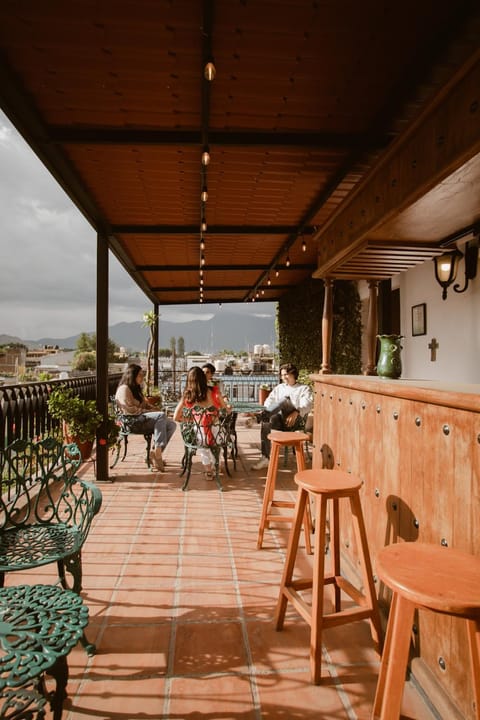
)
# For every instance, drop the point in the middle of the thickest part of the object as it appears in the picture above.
(308, 100)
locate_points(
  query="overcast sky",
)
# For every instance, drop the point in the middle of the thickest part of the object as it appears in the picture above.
(48, 258)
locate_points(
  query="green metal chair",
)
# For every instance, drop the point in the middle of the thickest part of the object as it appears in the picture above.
(45, 510)
(207, 428)
(125, 423)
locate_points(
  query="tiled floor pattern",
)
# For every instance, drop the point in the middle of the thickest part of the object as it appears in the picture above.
(181, 606)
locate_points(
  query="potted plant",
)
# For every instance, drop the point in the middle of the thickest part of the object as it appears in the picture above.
(263, 392)
(80, 418)
(155, 397)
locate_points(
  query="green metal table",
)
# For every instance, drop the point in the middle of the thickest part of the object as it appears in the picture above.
(246, 407)
(39, 625)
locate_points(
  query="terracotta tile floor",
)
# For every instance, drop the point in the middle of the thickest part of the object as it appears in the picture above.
(181, 607)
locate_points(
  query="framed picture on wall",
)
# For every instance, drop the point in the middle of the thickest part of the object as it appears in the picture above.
(419, 319)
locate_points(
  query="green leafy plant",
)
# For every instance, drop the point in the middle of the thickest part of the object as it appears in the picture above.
(81, 416)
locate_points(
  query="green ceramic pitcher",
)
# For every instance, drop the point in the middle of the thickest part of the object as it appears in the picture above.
(389, 362)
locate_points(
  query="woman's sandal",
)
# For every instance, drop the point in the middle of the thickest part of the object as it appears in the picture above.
(209, 473)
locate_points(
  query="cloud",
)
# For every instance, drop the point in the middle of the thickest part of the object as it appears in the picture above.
(48, 253)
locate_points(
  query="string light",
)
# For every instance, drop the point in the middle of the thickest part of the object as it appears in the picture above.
(204, 195)
(304, 245)
(202, 259)
(202, 243)
(287, 261)
(277, 273)
(269, 282)
(209, 71)
(205, 158)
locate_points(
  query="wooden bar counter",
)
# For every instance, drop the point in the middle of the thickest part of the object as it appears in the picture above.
(416, 447)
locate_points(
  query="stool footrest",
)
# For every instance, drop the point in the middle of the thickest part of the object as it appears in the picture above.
(350, 590)
(301, 606)
(278, 518)
(282, 503)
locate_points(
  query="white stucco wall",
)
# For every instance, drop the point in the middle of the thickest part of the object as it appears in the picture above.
(454, 322)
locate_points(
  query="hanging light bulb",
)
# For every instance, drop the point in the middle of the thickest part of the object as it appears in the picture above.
(269, 282)
(201, 283)
(304, 245)
(209, 71)
(202, 259)
(277, 273)
(201, 272)
(204, 195)
(262, 291)
(203, 226)
(287, 261)
(205, 157)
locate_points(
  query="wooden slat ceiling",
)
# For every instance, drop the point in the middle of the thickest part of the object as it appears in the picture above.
(309, 98)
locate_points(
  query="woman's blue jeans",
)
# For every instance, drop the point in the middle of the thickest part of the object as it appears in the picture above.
(157, 423)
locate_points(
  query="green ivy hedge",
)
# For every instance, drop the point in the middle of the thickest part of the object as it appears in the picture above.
(299, 327)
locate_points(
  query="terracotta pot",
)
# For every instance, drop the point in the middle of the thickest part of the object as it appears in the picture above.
(263, 393)
(85, 446)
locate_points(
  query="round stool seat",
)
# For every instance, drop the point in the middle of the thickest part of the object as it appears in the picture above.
(328, 482)
(288, 438)
(432, 576)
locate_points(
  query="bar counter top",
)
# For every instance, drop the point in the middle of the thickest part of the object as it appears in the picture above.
(450, 394)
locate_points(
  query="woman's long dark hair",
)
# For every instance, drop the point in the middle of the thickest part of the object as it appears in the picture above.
(196, 388)
(129, 378)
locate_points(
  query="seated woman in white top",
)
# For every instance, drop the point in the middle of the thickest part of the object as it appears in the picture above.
(131, 401)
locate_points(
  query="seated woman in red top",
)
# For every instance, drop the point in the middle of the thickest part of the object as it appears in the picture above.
(198, 393)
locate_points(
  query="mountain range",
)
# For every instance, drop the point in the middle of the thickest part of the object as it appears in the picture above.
(224, 331)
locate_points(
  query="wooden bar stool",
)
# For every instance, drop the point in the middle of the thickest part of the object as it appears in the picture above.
(279, 440)
(429, 577)
(327, 485)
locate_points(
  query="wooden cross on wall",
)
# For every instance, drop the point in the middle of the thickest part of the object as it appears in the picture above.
(433, 347)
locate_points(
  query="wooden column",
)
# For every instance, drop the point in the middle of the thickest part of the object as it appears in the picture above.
(155, 346)
(372, 328)
(102, 348)
(327, 327)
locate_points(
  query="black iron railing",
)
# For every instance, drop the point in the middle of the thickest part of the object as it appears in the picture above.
(24, 410)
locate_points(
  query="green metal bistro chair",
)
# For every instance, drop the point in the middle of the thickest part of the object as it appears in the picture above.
(211, 429)
(45, 510)
(125, 423)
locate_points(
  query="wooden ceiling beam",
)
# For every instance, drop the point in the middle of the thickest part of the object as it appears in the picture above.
(212, 230)
(216, 288)
(219, 138)
(222, 268)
